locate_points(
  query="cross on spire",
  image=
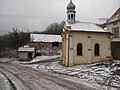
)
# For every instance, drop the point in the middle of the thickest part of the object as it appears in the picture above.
(70, 0)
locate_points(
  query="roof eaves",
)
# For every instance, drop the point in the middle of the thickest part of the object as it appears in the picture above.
(118, 10)
(113, 21)
(90, 31)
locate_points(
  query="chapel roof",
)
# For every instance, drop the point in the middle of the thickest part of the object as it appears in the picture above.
(84, 26)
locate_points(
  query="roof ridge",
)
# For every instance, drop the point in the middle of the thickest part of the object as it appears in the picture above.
(109, 20)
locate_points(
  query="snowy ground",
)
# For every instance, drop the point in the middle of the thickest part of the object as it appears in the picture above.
(106, 75)
(103, 75)
(41, 58)
(4, 83)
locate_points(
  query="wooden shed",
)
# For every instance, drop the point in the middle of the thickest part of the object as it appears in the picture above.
(26, 53)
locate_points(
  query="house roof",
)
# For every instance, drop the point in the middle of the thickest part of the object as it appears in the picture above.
(26, 49)
(45, 38)
(115, 16)
(84, 26)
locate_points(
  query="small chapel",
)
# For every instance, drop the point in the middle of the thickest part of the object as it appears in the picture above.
(83, 42)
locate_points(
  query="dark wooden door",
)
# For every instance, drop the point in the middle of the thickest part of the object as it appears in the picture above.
(30, 55)
(116, 50)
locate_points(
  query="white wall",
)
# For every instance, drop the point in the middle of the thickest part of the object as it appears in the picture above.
(88, 43)
(110, 26)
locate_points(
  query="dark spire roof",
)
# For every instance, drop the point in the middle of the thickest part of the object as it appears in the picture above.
(71, 6)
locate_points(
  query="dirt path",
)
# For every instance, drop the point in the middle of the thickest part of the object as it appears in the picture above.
(25, 78)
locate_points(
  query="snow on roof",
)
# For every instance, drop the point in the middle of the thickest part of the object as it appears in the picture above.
(45, 38)
(116, 40)
(85, 26)
(26, 49)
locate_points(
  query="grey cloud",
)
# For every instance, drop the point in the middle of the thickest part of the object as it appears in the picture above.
(50, 11)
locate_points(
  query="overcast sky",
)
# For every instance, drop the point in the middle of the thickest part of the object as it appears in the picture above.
(37, 14)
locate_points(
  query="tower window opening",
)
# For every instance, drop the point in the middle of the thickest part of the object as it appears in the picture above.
(68, 17)
(71, 16)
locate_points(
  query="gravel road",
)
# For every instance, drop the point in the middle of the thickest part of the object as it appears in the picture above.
(25, 78)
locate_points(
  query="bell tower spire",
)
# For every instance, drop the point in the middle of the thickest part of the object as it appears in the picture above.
(71, 12)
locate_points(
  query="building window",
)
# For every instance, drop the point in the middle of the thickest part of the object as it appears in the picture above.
(114, 23)
(115, 31)
(55, 44)
(71, 16)
(79, 49)
(96, 50)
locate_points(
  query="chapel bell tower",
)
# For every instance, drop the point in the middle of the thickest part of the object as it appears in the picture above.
(71, 13)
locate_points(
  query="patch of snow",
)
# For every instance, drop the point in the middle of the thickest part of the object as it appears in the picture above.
(26, 49)
(94, 73)
(45, 38)
(41, 58)
(4, 83)
(13, 60)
